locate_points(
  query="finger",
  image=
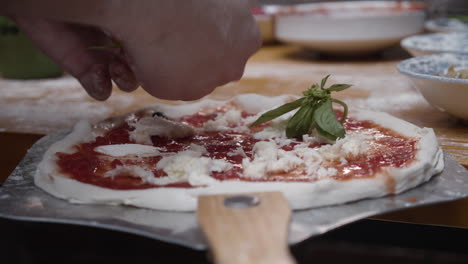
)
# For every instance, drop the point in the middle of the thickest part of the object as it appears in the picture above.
(97, 82)
(123, 76)
(68, 45)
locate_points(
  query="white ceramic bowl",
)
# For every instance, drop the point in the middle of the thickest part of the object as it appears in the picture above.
(420, 45)
(445, 25)
(264, 16)
(447, 94)
(349, 27)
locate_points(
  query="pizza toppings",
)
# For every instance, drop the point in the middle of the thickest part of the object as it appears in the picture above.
(190, 165)
(224, 121)
(185, 166)
(269, 159)
(313, 163)
(221, 147)
(353, 145)
(156, 125)
(136, 171)
(122, 150)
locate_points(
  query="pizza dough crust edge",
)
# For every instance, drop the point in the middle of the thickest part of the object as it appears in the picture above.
(428, 163)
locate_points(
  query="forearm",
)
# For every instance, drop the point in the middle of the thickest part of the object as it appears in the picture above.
(79, 11)
(105, 14)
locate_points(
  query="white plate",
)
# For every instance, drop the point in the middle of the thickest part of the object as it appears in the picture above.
(426, 74)
(456, 42)
(349, 27)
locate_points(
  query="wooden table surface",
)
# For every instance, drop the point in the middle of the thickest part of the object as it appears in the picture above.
(30, 109)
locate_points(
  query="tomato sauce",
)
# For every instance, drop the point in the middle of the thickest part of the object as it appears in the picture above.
(393, 150)
(88, 166)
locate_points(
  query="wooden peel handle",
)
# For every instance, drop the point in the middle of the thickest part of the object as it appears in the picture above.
(252, 235)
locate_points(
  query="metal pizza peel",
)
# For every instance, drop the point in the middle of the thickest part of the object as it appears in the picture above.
(267, 221)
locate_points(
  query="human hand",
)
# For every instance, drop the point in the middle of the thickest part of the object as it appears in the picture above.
(175, 50)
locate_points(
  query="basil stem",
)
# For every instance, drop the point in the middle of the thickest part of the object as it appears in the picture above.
(345, 109)
(114, 45)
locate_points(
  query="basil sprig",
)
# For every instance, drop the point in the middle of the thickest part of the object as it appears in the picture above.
(315, 111)
(115, 44)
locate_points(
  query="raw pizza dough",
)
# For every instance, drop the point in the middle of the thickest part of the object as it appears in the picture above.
(322, 190)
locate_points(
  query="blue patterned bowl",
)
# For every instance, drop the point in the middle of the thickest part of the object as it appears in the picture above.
(445, 25)
(419, 45)
(426, 74)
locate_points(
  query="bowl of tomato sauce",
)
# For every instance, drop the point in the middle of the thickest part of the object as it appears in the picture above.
(349, 27)
(265, 18)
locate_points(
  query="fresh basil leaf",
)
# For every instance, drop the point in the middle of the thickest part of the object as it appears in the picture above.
(272, 114)
(324, 80)
(325, 134)
(345, 109)
(325, 118)
(338, 87)
(301, 123)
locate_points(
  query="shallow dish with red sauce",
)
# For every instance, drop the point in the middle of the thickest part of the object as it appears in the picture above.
(351, 27)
